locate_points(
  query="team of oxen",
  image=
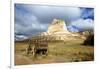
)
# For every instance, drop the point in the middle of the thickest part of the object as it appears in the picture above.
(38, 47)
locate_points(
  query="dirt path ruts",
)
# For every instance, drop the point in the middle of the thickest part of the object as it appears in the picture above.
(22, 60)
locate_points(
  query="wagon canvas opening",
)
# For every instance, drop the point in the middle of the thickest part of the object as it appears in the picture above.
(46, 34)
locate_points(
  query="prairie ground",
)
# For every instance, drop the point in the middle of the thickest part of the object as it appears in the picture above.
(59, 52)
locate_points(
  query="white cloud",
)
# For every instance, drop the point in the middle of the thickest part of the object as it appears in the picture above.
(21, 37)
(82, 25)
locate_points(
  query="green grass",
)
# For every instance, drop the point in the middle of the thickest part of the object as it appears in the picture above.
(67, 51)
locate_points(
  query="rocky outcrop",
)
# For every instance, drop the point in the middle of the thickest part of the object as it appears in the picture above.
(57, 30)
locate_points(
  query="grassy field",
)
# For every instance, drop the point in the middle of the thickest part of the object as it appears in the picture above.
(59, 52)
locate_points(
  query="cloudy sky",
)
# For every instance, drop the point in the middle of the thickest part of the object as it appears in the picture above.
(32, 19)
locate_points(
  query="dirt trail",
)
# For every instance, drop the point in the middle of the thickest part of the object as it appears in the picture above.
(22, 60)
